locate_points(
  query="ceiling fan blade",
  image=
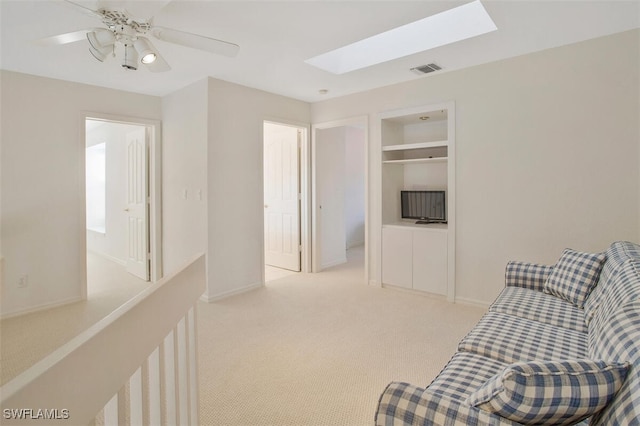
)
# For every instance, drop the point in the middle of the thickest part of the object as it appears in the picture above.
(65, 38)
(196, 41)
(84, 9)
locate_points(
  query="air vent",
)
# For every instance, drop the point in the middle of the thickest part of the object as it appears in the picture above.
(424, 69)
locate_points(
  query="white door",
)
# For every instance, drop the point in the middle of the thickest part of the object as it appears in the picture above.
(137, 208)
(329, 187)
(281, 196)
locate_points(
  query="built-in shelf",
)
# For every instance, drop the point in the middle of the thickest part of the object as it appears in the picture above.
(420, 145)
(417, 160)
(415, 155)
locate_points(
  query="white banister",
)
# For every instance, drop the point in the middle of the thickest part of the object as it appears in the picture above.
(136, 366)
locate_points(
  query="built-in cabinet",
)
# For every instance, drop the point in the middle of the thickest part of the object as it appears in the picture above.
(418, 153)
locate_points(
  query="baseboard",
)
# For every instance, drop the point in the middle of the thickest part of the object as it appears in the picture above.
(42, 307)
(415, 292)
(374, 283)
(334, 263)
(472, 302)
(224, 295)
(109, 257)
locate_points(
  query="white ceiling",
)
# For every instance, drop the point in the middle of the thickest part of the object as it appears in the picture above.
(276, 37)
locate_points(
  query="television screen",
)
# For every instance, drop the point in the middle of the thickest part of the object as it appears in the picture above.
(425, 206)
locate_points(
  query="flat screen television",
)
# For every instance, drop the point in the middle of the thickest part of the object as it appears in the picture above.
(424, 206)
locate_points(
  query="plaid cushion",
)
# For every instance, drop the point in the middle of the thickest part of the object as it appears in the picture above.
(557, 392)
(574, 276)
(617, 254)
(619, 340)
(463, 373)
(405, 404)
(541, 307)
(526, 275)
(510, 339)
(624, 288)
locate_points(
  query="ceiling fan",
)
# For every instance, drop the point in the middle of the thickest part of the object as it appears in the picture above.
(132, 36)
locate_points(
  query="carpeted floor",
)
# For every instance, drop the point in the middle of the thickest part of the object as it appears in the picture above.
(307, 349)
(28, 338)
(318, 349)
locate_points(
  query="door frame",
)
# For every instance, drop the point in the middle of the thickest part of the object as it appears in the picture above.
(360, 121)
(304, 174)
(154, 170)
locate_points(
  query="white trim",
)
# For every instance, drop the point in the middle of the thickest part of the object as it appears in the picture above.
(361, 120)
(229, 293)
(336, 262)
(472, 302)
(114, 259)
(40, 307)
(154, 128)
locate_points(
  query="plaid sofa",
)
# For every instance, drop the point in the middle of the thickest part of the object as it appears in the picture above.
(539, 355)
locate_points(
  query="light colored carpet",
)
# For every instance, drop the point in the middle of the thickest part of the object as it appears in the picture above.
(318, 349)
(26, 339)
(307, 349)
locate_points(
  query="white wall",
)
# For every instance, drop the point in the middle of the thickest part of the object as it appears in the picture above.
(113, 243)
(42, 183)
(235, 181)
(547, 154)
(354, 202)
(355, 185)
(184, 175)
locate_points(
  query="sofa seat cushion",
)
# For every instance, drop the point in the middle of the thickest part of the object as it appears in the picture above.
(509, 339)
(551, 392)
(541, 307)
(575, 275)
(463, 374)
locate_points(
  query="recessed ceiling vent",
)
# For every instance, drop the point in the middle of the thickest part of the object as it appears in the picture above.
(424, 69)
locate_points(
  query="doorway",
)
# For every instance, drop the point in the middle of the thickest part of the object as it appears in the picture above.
(122, 201)
(339, 191)
(284, 192)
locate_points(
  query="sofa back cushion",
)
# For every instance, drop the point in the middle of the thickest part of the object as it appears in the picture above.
(622, 289)
(574, 276)
(617, 254)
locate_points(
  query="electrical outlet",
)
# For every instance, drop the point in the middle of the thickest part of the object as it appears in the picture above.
(23, 281)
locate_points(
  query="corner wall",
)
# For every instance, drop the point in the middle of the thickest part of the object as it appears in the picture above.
(42, 183)
(547, 154)
(184, 175)
(235, 182)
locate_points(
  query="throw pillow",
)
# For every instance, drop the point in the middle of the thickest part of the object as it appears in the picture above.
(550, 392)
(574, 276)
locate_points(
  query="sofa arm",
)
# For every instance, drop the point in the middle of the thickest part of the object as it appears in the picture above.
(526, 275)
(405, 404)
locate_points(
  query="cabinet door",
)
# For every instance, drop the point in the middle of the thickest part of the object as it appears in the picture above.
(430, 261)
(397, 260)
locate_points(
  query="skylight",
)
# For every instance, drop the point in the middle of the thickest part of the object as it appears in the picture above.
(460, 23)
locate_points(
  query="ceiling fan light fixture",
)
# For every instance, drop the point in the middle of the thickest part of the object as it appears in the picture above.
(100, 38)
(130, 60)
(100, 54)
(146, 52)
